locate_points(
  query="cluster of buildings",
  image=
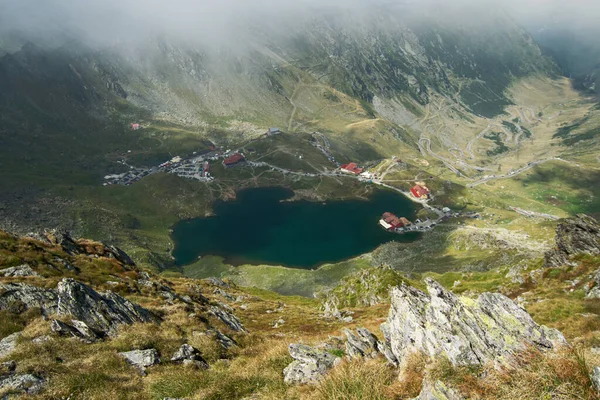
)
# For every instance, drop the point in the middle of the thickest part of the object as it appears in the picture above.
(390, 222)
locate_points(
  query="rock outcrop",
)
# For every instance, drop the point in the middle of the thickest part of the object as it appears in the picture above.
(21, 383)
(595, 377)
(18, 271)
(8, 344)
(362, 344)
(309, 365)
(580, 234)
(593, 291)
(20, 297)
(223, 340)
(228, 319)
(101, 312)
(141, 359)
(491, 328)
(93, 314)
(188, 355)
(78, 329)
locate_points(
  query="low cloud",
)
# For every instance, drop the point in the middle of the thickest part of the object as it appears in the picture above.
(227, 21)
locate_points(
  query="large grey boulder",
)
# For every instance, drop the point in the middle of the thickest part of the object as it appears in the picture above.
(101, 312)
(576, 235)
(228, 319)
(141, 358)
(8, 344)
(491, 328)
(18, 271)
(19, 297)
(24, 383)
(309, 365)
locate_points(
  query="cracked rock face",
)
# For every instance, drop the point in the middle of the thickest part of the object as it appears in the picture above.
(93, 313)
(491, 328)
(580, 234)
(309, 365)
(78, 329)
(20, 297)
(101, 312)
(361, 344)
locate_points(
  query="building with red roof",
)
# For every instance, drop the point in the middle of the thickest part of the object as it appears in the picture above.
(389, 221)
(233, 160)
(351, 168)
(420, 192)
(135, 127)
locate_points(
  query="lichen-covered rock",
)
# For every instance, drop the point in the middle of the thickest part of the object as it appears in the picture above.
(309, 365)
(141, 358)
(187, 355)
(24, 383)
(580, 234)
(20, 270)
(361, 344)
(8, 344)
(491, 328)
(102, 312)
(437, 391)
(228, 319)
(20, 297)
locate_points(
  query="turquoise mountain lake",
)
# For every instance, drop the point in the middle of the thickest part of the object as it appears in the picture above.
(260, 228)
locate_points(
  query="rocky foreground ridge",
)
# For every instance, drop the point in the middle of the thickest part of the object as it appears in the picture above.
(75, 310)
(491, 329)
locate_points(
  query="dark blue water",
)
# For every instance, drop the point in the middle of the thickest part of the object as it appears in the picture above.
(259, 228)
